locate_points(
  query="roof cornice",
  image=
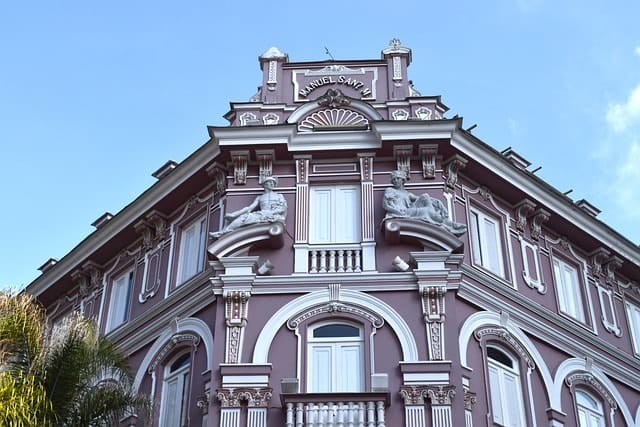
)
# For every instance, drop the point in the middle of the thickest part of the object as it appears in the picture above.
(127, 216)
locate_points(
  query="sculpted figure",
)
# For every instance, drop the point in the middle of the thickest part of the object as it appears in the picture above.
(398, 202)
(271, 207)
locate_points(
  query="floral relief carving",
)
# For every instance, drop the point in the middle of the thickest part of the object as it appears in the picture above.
(470, 399)
(255, 397)
(441, 394)
(506, 336)
(335, 307)
(587, 378)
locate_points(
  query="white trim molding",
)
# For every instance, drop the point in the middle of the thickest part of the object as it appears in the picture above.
(391, 316)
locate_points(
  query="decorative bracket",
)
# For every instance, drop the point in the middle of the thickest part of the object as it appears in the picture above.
(539, 216)
(524, 209)
(402, 154)
(598, 258)
(452, 166)
(265, 162)
(612, 265)
(240, 161)
(428, 154)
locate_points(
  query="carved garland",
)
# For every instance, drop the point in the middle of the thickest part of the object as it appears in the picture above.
(175, 340)
(335, 307)
(506, 336)
(585, 377)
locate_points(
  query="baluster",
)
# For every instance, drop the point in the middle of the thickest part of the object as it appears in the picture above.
(289, 415)
(314, 262)
(350, 414)
(341, 261)
(371, 415)
(331, 414)
(323, 261)
(361, 414)
(357, 261)
(310, 418)
(380, 407)
(349, 261)
(299, 415)
(332, 261)
(340, 414)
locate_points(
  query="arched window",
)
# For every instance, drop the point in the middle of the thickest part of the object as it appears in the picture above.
(175, 391)
(335, 358)
(590, 413)
(505, 388)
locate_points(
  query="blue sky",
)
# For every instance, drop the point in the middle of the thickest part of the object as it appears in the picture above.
(95, 96)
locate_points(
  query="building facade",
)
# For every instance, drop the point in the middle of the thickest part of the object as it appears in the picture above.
(344, 255)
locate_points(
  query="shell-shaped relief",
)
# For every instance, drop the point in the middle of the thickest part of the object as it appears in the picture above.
(332, 118)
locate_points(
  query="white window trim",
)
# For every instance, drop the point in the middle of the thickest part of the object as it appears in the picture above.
(182, 376)
(595, 414)
(501, 396)
(336, 344)
(633, 318)
(481, 242)
(120, 300)
(189, 267)
(320, 223)
(569, 294)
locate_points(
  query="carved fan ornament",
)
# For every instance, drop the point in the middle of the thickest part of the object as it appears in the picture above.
(332, 118)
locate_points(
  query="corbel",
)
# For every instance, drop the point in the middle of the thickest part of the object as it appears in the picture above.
(524, 209)
(218, 173)
(81, 280)
(144, 229)
(428, 153)
(402, 154)
(539, 216)
(95, 273)
(453, 165)
(159, 222)
(240, 161)
(598, 258)
(611, 266)
(265, 162)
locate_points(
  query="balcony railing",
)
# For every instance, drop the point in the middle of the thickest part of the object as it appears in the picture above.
(335, 258)
(335, 409)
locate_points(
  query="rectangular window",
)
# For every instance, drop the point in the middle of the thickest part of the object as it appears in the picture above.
(120, 301)
(192, 250)
(335, 214)
(633, 314)
(568, 290)
(486, 242)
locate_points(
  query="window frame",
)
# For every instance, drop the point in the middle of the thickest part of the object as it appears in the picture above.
(503, 371)
(191, 259)
(117, 317)
(632, 311)
(570, 297)
(589, 410)
(326, 221)
(182, 375)
(337, 344)
(480, 240)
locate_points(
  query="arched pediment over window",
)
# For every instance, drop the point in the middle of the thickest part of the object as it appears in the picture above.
(334, 111)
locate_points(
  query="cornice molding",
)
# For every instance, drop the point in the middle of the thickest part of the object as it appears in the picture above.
(551, 328)
(125, 218)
